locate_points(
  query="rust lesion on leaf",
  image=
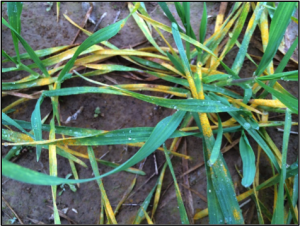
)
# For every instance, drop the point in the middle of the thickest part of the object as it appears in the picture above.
(224, 169)
(207, 132)
(236, 214)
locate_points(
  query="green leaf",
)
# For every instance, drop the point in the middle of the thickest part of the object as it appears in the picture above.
(203, 24)
(193, 105)
(162, 131)
(271, 9)
(216, 77)
(94, 165)
(99, 36)
(253, 132)
(291, 103)
(186, 8)
(19, 173)
(239, 59)
(8, 57)
(29, 50)
(144, 28)
(182, 211)
(278, 216)
(36, 123)
(281, 66)
(140, 214)
(237, 28)
(248, 159)
(217, 147)
(280, 22)
(177, 39)
(176, 62)
(28, 84)
(85, 137)
(160, 134)
(14, 10)
(216, 215)
(180, 11)
(165, 8)
(10, 121)
(148, 63)
(222, 185)
(286, 76)
(294, 197)
(41, 52)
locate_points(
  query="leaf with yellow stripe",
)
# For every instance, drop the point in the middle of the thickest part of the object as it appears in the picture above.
(107, 206)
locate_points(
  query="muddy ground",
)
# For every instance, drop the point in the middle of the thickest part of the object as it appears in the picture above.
(40, 30)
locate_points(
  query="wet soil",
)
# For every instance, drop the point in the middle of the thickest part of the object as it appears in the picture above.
(40, 30)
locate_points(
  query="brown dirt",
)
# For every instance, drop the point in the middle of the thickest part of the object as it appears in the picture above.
(40, 30)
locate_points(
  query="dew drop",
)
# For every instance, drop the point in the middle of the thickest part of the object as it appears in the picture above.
(209, 163)
(246, 125)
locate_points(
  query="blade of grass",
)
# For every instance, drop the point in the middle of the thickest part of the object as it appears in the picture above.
(165, 8)
(290, 206)
(278, 217)
(144, 28)
(17, 172)
(125, 195)
(107, 206)
(291, 171)
(140, 214)
(185, 61)
(203, 24)
(218, 25)
(183, 36)
(216, 216)
(15, 149)
(280, 21)
(101, 217)
(158, 189)
(217, 147)
(257, 137)
(237, 64)
(162, 131)
(53, 170)
(214, 41)
(264, 27)
(254, 198)
(294, 197)
(182, 211)
(14, 10)
(221, 180)
(186, 105)
(30, 51)
(291, 103)
(186, 8)
(37, 126)
(281, 65)
(174, 146)
(57, 10)
(10, 121)
(41, 52)
(248, 159)
(149, 221)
